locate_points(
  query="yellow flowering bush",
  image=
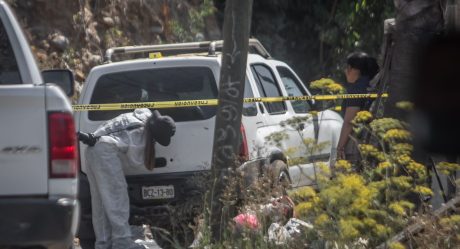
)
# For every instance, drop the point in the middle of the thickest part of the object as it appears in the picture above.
(405, 105)
(327, 85)
(396, 135)
(343, 166)
(448, 168)
(423, 190)
(375, 202)
(397, 245)
(402, 148)
(362, 117)
(382, 125)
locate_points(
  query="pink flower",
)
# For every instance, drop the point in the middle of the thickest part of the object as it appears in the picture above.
(247, 220)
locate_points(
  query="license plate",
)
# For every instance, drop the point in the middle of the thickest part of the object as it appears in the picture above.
(158, 192)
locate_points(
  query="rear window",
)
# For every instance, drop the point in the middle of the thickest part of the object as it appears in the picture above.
(151, 85)
(9, 71)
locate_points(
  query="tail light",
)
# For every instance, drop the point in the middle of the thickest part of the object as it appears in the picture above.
(63, 145)
(244, 152)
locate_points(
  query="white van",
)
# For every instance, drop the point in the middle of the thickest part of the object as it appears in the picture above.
(193, 75)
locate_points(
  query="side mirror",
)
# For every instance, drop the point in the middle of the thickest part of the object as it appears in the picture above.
(61, 77)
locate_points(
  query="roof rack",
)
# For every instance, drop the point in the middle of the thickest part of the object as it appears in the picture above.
(184, 48)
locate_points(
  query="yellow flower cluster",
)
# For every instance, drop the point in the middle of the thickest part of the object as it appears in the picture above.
(396, 134)
(400, 207)
(349, 190)
(304, 208)
(343, 165)
(307, 199)
(405, 105)
(402, 182)
(381, 230)
(447, 168)
(403, 160)
(362, 117)
(397, 245)
(370, 150)
(327, 84)
(402, 149)
(453, 220)
(322, 220)
(384, 165)
(382, 125)
(397, 209)
(303, 194)
(349, 228)
(423, 190)
(417, 168)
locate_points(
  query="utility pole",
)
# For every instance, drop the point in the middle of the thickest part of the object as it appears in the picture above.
(237, 19)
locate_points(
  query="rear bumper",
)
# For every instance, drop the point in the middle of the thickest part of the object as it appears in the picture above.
(186, 185)
(41, 222)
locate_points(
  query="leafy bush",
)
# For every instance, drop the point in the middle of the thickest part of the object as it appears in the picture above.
(372, 201)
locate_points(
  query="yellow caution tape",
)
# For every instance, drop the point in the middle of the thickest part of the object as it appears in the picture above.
(214, 102)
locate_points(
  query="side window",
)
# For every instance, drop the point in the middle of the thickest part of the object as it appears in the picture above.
(268, 87)
(293, 88)
(249, 109)
(9, 71)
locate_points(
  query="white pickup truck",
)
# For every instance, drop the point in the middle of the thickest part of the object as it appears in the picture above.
(38, 149)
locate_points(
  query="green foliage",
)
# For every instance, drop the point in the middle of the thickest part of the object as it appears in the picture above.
(314, 37)
(186, 31)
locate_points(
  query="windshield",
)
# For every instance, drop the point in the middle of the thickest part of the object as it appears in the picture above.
(151, 85)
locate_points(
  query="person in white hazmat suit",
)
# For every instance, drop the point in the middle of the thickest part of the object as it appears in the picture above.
(125, 141)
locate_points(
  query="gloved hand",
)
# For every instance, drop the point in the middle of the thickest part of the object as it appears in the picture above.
(87, 138)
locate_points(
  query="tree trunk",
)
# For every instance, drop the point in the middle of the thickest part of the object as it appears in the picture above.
(417, 21)
(228, 119)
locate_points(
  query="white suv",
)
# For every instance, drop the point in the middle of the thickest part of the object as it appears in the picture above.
(189, 74)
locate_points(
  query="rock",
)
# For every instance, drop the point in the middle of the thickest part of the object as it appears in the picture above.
(91, 31)
(79, 75)
(157, 27)
(60, 42)
(116, 19)
(91, 60)
(293, 230)
(44, 44)
(108, 21)
(95, 59)
(54, 56)
(199, 37)
(278, 234)
(41, 56)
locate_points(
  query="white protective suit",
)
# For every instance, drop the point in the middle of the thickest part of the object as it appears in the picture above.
(121, 142)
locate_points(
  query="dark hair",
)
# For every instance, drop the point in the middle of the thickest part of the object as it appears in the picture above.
(366, 64)
(149, 151)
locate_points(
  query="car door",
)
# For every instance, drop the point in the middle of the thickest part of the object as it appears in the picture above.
(273, 113)
(301, 169)
(253, 119)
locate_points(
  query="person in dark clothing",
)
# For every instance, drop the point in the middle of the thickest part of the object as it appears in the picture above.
(360, 69)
